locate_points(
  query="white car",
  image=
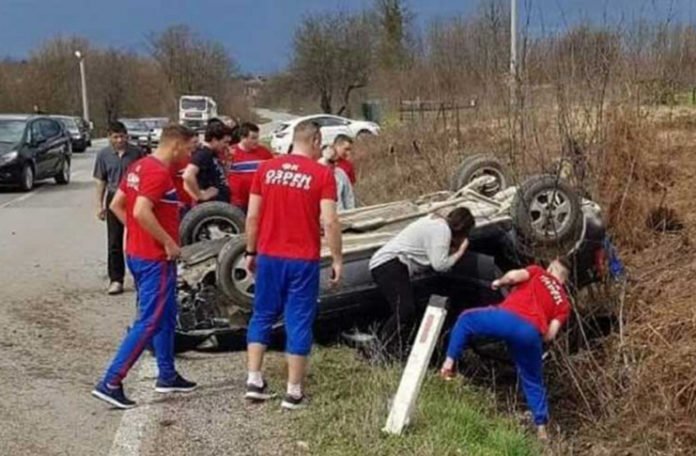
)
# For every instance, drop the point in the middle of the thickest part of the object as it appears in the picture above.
(331, 126)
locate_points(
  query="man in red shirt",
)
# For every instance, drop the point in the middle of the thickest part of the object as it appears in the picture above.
(290, 195)
(147, 203)
(343, 145)
(246, 157)
(531, 314)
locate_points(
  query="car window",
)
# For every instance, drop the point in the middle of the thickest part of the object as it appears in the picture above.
(50, 128)
(11, 131)
(36, 133)
(330, 122)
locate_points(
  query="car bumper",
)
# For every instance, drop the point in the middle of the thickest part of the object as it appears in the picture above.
(10, 173)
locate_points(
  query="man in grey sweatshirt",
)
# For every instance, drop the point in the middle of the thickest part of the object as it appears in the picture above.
(425, 243)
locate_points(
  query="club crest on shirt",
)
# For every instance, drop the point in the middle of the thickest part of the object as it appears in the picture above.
(133, 179)
(288, 176)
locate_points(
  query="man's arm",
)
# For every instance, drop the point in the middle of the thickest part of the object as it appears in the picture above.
(332, 232)
(190, 178)
(511, 278)
(552, 332)
(118, 206)
(101, 190)
(144, 214)
(251, 228)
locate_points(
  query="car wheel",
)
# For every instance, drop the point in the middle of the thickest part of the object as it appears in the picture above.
(27, 178)
(547, 213)
(233, 279)
(209, 221)
(364, 134)
(63, 176)
(479, 165)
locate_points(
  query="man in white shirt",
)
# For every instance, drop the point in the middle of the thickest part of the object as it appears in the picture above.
(344, 189)
(423, 244)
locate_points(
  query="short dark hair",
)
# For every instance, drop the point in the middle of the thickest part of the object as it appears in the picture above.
(176, 132)
(217, 131)
(340, 139)
(116, 127)
(461, 222)
(246, 128)
(214, 120)
(306, 130)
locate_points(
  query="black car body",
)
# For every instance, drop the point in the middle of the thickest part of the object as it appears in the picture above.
(139, 133)
(79, 130)
(33, 148)
(216, 291)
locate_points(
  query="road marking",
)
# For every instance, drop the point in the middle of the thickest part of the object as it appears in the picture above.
(34, 192)
(131, 431)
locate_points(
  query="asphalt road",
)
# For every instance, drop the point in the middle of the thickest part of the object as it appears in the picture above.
(59, 330)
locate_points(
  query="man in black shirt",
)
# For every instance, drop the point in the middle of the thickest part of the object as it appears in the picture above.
(205, 178)
(110, 165)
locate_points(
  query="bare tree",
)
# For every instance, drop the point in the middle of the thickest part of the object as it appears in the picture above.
(333, 56)
(395, 20)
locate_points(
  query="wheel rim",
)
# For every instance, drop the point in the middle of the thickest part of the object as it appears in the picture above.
(550, 213)
(29, 178)
(243, 281)
(494, 187)
(212, 228)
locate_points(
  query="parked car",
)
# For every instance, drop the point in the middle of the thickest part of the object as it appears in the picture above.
(79, 132)
(138, 133)
(33, 148)
(515, 226)
(331, 126)
(155, 124)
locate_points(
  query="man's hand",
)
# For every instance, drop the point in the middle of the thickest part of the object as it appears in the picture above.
(209, 194)
(336, 273)
(101, 213)
(250, 261)
(552, 332)
(172, 250)
(495, 285)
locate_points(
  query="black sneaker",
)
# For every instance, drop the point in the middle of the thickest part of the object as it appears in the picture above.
(294, 403)
(177, 385)
(258, 393)
(113, 396)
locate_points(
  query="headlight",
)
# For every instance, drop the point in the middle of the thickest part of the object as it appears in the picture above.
(143, 138)
(8, 157)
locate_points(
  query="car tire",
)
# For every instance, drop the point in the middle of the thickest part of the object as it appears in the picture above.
(63, 176)
(232, 278)
(197, 225)
(27, 178)
(547, 213)
(477, 165)
(364, 134)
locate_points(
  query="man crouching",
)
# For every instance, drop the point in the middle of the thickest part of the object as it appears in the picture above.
(530, 315)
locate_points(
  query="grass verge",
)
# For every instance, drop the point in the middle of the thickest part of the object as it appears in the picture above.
(351, 402)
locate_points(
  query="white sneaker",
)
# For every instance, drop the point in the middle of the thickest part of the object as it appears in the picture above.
(115, 288)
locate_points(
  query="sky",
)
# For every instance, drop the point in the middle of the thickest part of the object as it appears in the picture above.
(258, 33)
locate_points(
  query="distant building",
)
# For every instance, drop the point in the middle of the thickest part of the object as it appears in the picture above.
(252, 87)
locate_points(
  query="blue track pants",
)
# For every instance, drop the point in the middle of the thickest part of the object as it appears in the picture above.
(155, 282)
(524, 345)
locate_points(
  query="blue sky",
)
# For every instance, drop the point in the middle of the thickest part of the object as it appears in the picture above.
(258, 33)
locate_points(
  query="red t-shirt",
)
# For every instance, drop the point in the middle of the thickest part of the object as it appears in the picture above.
(539, 300)
(347, 166)
(291, 188)
(152, 179)
(243, 166)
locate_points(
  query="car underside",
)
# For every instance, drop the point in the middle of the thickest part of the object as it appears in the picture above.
(515, 227)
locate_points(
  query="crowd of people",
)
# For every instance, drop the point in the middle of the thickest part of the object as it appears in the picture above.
(289, 201)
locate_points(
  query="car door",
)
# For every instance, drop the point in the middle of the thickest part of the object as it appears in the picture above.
(332, 127)
(38, 149)
(55, 145)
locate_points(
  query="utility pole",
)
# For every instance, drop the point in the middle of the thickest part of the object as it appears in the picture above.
(83, 77)
(513, 38)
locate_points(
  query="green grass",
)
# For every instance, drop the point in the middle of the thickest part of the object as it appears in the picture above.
(350, 403)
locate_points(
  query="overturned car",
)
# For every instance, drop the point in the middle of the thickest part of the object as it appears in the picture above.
(515, 226)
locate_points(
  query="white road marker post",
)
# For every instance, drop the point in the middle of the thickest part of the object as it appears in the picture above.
(417, 365)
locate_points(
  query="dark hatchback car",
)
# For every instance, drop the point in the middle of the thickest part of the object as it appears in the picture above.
(33, 148)
(79, 132)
